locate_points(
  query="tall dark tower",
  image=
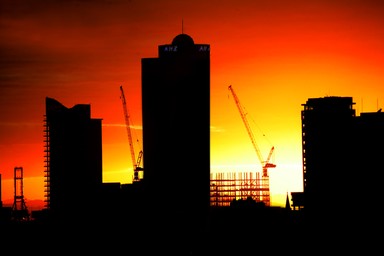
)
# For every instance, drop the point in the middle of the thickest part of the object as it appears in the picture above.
(176, 132)
(328, 144)
(73, 160)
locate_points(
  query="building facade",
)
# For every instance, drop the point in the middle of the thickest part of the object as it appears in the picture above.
(176, 130)
(73, 147)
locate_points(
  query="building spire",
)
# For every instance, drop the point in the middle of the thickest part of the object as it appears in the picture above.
(287, 204)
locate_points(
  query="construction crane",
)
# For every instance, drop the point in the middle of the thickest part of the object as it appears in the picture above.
(265, 164)
(136, 163)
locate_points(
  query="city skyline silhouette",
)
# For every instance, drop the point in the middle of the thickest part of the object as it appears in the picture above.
(275, 54)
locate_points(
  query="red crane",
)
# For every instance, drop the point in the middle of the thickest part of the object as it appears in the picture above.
(136, 163)
(265, 164)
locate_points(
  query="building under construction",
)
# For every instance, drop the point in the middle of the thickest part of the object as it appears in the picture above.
(228, 187)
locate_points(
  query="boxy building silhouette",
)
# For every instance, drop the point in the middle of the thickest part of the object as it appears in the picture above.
(342, 153)
(73, 161)
(176, 132)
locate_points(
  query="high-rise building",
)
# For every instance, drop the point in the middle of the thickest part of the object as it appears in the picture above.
(73, 160)
(176, 131)
(367, 192)
(326, 137)
(341, 154)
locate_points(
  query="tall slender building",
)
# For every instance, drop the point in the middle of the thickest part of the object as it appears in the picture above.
(73, 160)
(176, 132)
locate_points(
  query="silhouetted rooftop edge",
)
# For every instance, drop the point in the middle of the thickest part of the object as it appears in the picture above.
(183, 40)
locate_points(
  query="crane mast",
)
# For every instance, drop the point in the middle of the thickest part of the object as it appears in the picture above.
(128, 126)
(265, 164)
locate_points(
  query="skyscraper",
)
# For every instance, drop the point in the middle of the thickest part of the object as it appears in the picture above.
(327, 129)
(341, 156)
(73, 160)
(176, 131)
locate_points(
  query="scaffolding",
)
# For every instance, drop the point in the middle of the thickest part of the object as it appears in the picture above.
(228, 187)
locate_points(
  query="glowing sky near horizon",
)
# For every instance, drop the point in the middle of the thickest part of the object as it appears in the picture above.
(275, 54)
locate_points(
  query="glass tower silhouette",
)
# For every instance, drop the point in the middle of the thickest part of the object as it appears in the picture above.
(176, 131)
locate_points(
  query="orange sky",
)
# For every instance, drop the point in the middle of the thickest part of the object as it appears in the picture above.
(275, 54)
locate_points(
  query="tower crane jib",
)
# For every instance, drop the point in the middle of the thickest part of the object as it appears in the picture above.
(130, 141)
(265, 164)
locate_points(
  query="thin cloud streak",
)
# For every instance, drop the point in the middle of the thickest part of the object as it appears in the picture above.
(217, 129)
(135, 127)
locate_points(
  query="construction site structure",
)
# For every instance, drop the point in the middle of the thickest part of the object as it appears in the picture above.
(136, 162)
(265, 163)
(231, 186)
(19, 209)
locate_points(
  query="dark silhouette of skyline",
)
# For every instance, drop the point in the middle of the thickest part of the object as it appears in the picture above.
(174, 213)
